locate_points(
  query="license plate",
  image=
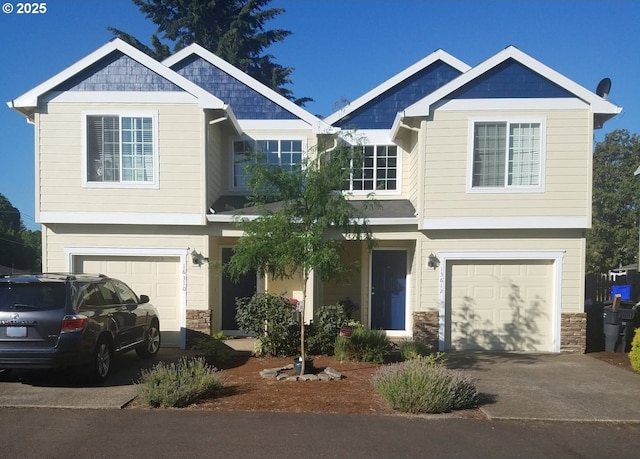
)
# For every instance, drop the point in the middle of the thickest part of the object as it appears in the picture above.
(16, 332)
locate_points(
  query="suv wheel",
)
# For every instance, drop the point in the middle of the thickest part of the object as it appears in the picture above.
(101, 363)
(151, 345)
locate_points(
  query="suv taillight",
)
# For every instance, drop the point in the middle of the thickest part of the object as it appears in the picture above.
(73, 323)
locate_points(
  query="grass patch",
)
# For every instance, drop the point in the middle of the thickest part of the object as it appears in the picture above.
(424, 386)
(178, 384)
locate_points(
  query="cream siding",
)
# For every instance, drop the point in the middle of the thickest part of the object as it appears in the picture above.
(180, 157)
(566, 185)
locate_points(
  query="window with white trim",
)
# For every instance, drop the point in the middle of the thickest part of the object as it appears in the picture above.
(507, 155)
(374, 168)
(120, 149)
(278, 152)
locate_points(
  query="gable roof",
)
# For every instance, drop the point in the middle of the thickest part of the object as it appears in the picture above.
(423, 107)
(173, 61)
(27, 102)
(409, 72)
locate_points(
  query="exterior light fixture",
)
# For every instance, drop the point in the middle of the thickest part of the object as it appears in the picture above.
(433, 261)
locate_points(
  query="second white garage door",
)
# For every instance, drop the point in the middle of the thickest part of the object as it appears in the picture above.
(157, 277)
(500, 305)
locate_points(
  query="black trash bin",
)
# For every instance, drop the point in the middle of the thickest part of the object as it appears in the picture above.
(618, 328)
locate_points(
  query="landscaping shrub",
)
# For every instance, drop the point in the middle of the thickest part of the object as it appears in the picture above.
(363, 345)
(178, 384)
(411, 349)
(270, 318)
(422, 386)
(325, 328)
(634, 354)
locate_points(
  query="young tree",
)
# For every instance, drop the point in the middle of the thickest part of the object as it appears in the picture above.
(19, 247)
(613, 237)
(232, 29)
(304, 220)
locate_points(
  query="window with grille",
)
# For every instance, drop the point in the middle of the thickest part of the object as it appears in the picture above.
(283, 153)
(120, 149)
(507, 155)
(374, 168)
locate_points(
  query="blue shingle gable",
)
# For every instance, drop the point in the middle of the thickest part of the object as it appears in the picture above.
(380, 112)
(245, 102)
(117, 72)
(510, 79)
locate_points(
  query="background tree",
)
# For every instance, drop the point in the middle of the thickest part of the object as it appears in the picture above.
(19, 247)
(232, 29)
(305, 230)
(613, 238)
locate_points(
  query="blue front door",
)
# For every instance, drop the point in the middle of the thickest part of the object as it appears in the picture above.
(388, 289)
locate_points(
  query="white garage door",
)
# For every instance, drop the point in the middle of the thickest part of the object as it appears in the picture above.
(157, 277)
(500, 305)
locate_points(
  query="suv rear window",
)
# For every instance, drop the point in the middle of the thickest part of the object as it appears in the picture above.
(31, 295)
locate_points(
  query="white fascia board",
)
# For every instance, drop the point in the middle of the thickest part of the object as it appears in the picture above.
(597, 103)
(121, 218)
(316, 123)
(438, 55)
(487, 223)
(30, 98)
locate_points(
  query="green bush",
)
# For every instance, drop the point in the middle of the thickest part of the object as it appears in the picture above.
(422, 386)
(411, 349)
(212, 348)
(271, 319)
(178, 384)
(323, 331)
(634, 354)
(363, 345)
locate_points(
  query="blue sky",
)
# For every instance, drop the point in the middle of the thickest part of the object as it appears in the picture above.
(340, 49)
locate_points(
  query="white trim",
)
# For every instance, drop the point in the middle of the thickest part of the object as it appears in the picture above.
(153, 114)
(407, 297)
(438, 55)
(154, 97)
(598, 104)
(316, 123)
(488, 222)
(509, 120)
(30, 98)
(274, 125)
(179, 252)
(378, 221)
(556, 256)
(561, 103)
(122, 218)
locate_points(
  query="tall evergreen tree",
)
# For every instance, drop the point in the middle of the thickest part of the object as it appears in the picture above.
(19, 247)
(232, 29)
(613, 238)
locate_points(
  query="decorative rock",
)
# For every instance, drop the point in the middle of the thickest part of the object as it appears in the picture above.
(281, 376)
(269, 373)
(334, 374)
(308, 377)
(324, 377)
(291, 378)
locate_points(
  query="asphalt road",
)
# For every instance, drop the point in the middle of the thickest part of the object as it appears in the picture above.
(62, 433)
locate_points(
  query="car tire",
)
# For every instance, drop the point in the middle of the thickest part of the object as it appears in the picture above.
(100, 365)
(151, 344)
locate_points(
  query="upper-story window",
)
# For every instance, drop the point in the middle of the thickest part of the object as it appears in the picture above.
(507, 155)
(277, 152)
(374, 168)
(121, 149)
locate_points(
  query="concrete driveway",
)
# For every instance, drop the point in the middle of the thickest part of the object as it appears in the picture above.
(569, 387)
(559, 387)
(63, 389)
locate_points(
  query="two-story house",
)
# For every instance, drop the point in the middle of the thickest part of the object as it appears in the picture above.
(483, 176)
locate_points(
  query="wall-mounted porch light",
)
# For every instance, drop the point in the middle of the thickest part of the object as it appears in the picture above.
(433, 261)
(198, 259)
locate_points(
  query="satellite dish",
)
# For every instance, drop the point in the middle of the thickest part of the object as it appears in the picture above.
(604, 87)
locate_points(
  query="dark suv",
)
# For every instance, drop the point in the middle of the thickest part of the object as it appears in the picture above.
(79, 320)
